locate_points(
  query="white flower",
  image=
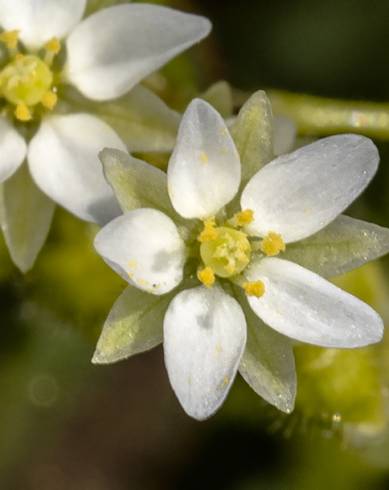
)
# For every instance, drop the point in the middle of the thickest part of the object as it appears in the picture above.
(107, 54)
(289, 199)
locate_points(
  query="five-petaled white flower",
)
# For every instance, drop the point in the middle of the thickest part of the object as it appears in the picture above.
(105, 56)
(235, 252)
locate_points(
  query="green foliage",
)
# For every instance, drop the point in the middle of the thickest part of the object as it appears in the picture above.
(133, 325)
(142, 120)
(345, 244)
(136, 183)
(219, 95)
(268, 364)
(253, 134)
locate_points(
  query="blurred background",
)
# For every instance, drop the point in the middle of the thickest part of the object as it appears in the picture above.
(68, 425)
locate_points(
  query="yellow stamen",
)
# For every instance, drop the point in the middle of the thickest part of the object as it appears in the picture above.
(256, 288)
(23, 113)
(242, 218)
(209, 232)
(272, 244)
(206, 276)
(53, 46)
(49, 100)
(10, 39)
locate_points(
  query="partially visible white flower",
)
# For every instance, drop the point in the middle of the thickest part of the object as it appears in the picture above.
(107, 54)
(235, 254)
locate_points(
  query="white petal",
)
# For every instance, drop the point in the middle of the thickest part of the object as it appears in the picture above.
(304, 306)
(298, 194)
(204, 338)
(40, 20)
(63, 159)
(13, 150)
(144, 247)
(115, 48)
(204, 169)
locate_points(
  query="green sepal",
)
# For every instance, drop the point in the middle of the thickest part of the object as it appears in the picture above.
(142, 120)
(134, 325)
(345, 244)
(267, 364)
(136, 183)
(253, 134)
(219, 95)
(25, 217)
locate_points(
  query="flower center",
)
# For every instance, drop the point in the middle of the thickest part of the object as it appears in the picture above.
(228, 253)
(27, 79)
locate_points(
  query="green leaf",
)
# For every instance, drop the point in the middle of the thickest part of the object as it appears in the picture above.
(25, 215)
(268, 364)
(253, 134)
(136, 183)
(345, 244)
(134, 325)
(219, 95)
(142, 120)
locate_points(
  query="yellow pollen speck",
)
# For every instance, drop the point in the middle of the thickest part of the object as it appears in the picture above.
(132, 264)
(49, 100)
(23, 113)
(256, 288)
(242, 218)
(226, 380)
(272, 244)
(53, 46)
(10, 38)
(206, 276)
(209, 232)
(144, 283)
(203, 158)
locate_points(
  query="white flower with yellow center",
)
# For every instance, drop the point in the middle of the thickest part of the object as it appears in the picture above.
(103, 56)
(236, 255)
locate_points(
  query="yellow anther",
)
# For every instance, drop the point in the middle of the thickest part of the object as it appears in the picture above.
(256, 288)
(10, 38)
(23, 113)
(49, 100)
(242, 218)
(209, 231)
(206, 276)
(272, 244)
(53, 46)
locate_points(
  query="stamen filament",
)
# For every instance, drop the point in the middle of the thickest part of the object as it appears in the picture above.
(52, 47)
(209, 231)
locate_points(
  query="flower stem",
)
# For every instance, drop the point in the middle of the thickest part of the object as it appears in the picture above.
(319, 116)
